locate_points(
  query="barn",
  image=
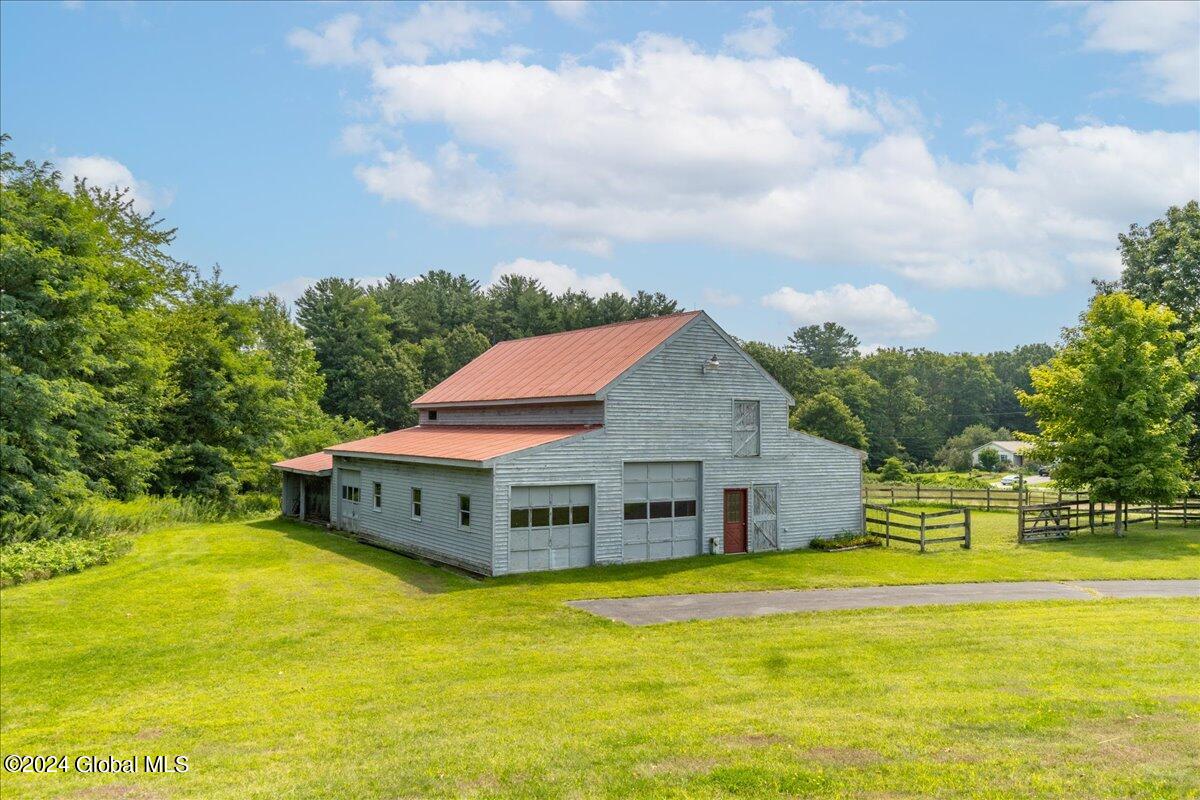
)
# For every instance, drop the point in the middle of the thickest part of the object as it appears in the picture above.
(639, 441)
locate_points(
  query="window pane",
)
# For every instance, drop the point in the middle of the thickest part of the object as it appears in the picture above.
(518, 518)
(560, 515)
(416, 494)
(464, 502)
(539, 517)
(685, 508)
(660, 509)
(581, 515)
(635, 511)
(464, 519)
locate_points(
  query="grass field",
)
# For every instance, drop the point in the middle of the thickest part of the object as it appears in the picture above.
(288, 662)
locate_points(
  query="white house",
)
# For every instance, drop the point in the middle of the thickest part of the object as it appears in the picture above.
(1010, 452)
(644, 440)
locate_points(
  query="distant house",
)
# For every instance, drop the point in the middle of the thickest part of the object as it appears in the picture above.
(644, 440)
(1010, 452)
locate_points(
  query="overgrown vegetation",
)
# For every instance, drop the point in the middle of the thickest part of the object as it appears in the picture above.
(844, 541)
(35, 560)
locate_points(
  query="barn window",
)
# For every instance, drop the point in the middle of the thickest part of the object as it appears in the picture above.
(377, 495)
(518, 518)
(745, 428)
(660, 509)
(351, 493)
(416, 504)
(539, 517)
(581, 515)
(560, 515)
(464, 511)
(685, 508)
(433, 416)
(635, 511)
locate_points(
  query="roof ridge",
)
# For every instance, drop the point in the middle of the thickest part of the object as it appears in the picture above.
(605, 325)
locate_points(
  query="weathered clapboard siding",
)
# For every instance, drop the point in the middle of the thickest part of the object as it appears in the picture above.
(437, 534)
(534, 414)
(667, 409)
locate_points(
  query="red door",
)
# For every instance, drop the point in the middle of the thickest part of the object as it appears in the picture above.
(735, 520)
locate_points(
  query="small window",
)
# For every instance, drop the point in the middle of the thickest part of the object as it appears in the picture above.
(685, 508)
(560, 515)
(433, 416)
(581, 515)
(745, 428)
(539, 517)
(635, 511)
(464, 511)
(351, 493)
(660, 509)
(416, 504)
(377, 495)
(518, 518)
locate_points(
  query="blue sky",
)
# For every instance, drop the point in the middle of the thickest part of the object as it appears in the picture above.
(942, 175)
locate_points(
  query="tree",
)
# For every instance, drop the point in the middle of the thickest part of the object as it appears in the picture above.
(83, 281)
(1109, 406)
(893, 471)
(1011, 368)
(826, 345)
(827, 416)
(989, 459)
(793, 371)
(956, 452)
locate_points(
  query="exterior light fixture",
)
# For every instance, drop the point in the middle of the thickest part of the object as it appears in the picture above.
(711, 365)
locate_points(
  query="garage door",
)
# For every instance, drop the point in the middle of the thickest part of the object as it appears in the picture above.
(550, 527)
(661, 510)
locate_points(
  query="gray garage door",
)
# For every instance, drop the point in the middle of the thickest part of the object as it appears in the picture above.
(550, 527)
(661, 510)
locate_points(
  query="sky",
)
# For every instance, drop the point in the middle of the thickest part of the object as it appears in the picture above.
(937, 175)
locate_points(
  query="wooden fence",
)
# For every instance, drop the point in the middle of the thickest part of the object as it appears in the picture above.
(1039, 522)
(885, 519)
(988, 499)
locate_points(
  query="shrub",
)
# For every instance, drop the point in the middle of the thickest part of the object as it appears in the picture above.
(33, 560)
(893, 471)
(844, 540)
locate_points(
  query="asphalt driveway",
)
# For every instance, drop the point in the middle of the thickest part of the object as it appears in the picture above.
(684, 607)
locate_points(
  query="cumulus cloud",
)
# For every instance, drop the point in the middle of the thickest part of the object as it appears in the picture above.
(873, 311)
(669, 143)
(760, 37)
(433, 29)
(719, 298)
(103, 172)
(558, 278)
(1166, 33)
(864, 27)
(570, 10)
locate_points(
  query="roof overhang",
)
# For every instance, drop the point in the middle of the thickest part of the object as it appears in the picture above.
(321, 473)
(442, 462)
(512, 401)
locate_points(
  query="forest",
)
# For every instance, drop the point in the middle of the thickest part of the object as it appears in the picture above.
(126, 372)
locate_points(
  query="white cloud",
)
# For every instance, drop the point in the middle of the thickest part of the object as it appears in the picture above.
(876, 69)
(719, 298)
(863, 27)
(760, 37)
(290, 290)
(1166, 33)
(570, 10)
(558, 278)
(872, 311)
(72, 5)
(434, 28)
(669, 143)
(108, 173)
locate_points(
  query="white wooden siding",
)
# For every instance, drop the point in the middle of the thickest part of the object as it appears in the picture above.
(532, 414)
(667, 409)
(437, 534)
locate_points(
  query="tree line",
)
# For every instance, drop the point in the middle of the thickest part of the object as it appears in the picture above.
(124, 371)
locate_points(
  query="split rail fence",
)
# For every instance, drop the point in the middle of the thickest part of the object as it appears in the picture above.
(1042, 521)
(988, 499)
(893, 524)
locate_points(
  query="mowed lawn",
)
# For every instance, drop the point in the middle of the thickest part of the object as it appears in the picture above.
(288, 662)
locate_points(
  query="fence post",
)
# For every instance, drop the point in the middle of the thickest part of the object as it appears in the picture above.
(887, 526)
(1020, 523)
(922, 531)
(967, 529)
(951, 497)
(989, 497)
(892, 489)
(1185, 505)
(918, 490)
(1091, 515)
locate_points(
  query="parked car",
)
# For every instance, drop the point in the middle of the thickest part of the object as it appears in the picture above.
(1010, 480)
(1044, 472)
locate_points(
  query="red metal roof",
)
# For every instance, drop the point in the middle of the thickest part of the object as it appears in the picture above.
(312, 463)
(460, 442)
(571, 364)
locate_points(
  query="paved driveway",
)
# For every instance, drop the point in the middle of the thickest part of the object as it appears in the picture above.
(684, 607)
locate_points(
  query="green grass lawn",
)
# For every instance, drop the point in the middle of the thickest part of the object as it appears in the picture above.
(288, 662)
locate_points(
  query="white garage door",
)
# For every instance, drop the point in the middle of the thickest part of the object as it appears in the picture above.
(549, 527)
(661, 510)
